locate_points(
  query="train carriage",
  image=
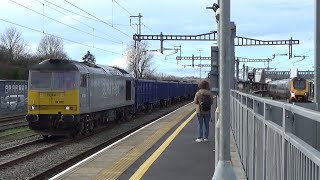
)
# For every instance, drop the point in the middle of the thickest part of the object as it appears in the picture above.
(146, 94)
(163, 89)
(154, 93)
(295, 89)
(174, 91)
(68, 97)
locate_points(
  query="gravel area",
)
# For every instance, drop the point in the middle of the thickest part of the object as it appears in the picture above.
(57, 156)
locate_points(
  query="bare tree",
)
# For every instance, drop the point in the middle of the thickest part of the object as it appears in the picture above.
(151, 74)
(139, 59)
(13, 43)
(51, 47)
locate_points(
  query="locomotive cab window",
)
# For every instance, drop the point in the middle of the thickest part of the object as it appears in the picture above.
(40, 80)
(128, 90)
(53, 80)
(299, 84)
(83, 80)
(64, 80)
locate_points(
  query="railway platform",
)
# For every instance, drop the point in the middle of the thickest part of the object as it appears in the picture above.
(165, 149)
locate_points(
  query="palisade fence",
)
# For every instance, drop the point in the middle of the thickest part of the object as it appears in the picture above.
(13, 112)
(276, 140)
(8, 109)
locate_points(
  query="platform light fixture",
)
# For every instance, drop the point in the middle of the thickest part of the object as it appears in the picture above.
(216, 8)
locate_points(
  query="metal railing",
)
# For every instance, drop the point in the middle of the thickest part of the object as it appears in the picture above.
(275, 140)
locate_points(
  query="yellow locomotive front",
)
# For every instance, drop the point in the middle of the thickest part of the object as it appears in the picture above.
(299, 89)
(53, 98)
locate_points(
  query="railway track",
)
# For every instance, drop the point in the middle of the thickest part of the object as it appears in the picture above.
(10, 122)
(23, 152)
(6, 118)
(50, 157)
(11, 155)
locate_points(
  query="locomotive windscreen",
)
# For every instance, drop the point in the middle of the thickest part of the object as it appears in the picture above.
(53, 80)
(299, 83)
(40, 80)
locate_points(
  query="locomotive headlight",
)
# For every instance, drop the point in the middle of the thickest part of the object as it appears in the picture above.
(70, 108)
(33, 107)
(293, 94)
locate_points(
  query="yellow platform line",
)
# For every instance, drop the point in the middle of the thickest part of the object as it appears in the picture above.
(146, 165)
(123, 163)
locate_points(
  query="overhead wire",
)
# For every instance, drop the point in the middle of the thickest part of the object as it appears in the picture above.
(293, 63)
(142, 24)
(61, 22)
(102, 21)
(81, 14)
(39, 31)
(91, 27)
(94, 18)
(70, 26)
(135, 30)
(124, 2)
(186, 69)
(122, 7)
(132, 15)
(164, 61)
(70, 11)
(149, 29)
(121, 24)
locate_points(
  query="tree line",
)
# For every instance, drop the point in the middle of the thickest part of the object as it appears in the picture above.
(16, 56)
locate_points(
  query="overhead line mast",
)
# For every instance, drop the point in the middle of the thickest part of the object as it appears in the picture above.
(139, 25)
(212, 36)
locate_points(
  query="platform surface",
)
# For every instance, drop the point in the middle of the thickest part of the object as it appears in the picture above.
(165, 149)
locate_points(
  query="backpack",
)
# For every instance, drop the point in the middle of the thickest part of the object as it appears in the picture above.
(205, 103)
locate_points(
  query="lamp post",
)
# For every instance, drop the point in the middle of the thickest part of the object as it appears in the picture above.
(317, 54)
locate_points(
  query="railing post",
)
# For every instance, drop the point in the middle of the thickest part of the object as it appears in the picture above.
(217, 137)
(267, 117)
(288, 125)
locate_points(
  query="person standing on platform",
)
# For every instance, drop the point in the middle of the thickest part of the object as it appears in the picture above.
(203, 100)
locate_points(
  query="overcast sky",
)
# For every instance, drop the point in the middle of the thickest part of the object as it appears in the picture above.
(103, 27)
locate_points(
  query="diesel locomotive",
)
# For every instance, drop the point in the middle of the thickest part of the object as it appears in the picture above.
(67, 97)
(295, 89)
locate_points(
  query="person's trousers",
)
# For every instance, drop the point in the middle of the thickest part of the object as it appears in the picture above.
(203, 120)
